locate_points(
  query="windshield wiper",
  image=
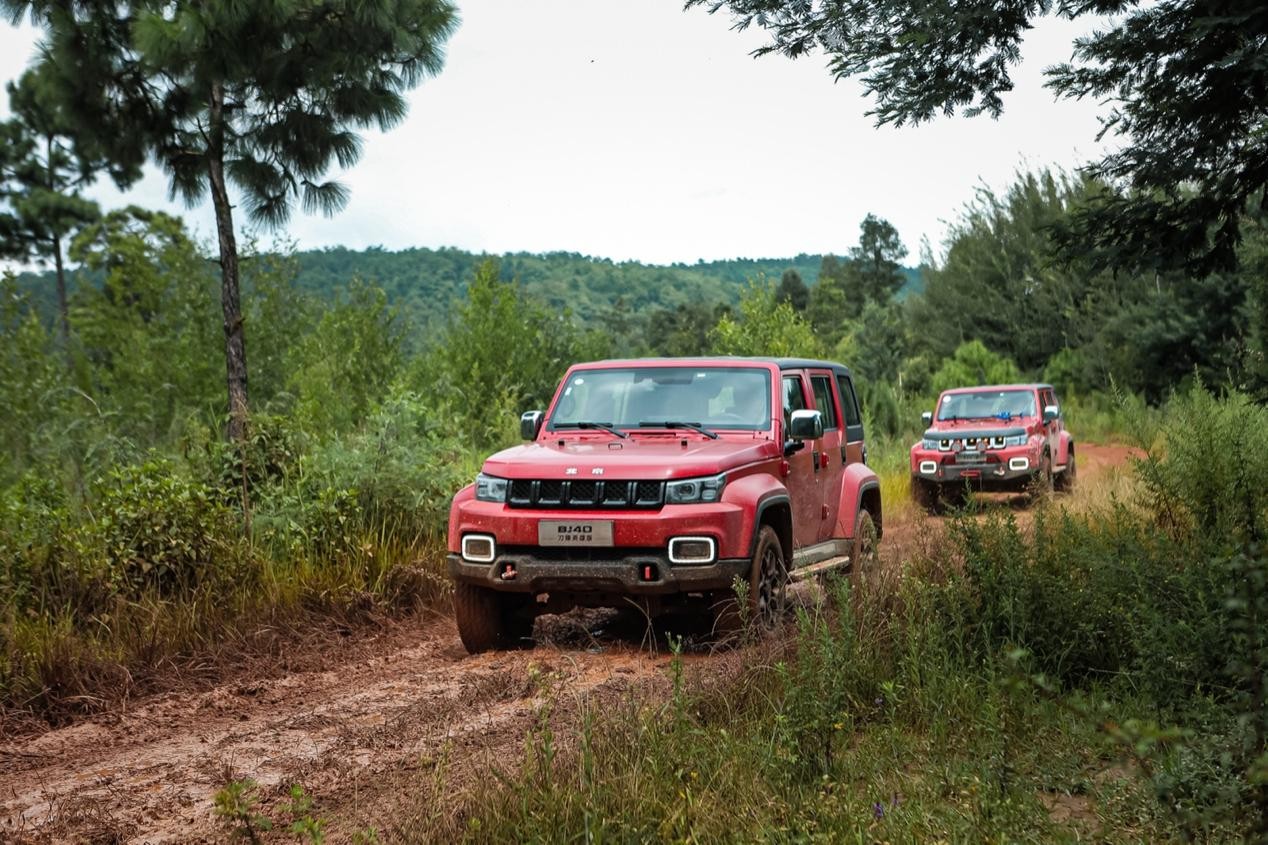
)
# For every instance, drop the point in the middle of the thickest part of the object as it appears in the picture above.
(590, 425)
(694, 426)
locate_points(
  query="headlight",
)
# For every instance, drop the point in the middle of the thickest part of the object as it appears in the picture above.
(692, 490)
(1015, 440)
(490, 489)
(927, 443)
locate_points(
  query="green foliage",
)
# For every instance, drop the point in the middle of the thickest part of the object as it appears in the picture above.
(160, 531)
(1208, 478)
(497, 324)
(974, 364)
(346, 364)
(792, 289)
(1190, 156)
(236, 805)
(765, 326)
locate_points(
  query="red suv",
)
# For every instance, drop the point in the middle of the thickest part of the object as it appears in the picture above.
(666, 482)
(995, 437)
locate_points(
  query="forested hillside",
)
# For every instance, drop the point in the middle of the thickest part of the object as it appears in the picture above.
(424, 282)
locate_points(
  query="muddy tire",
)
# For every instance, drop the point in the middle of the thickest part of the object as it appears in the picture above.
(767, 591)
(864, 551)
(481, 617)
(1042, 483)
(1064, 482)
(925, 495)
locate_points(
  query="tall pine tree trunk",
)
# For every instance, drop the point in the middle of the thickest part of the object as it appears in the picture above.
(62, 308)
(230, 300)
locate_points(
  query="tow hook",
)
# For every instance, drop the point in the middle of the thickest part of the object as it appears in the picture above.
(508, 574)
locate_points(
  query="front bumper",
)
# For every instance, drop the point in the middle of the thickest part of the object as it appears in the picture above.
(615, 571)
(1007, 469)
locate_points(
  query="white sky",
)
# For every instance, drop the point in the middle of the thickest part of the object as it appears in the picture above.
(630, 129)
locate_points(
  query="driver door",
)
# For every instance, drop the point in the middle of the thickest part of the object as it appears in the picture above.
(802, 481)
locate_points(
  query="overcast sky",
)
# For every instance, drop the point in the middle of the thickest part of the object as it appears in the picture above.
(630, 129)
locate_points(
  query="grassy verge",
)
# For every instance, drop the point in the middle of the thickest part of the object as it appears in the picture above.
(61, 663)
(1097, 674)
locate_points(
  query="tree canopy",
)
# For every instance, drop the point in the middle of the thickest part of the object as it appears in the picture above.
(1185, 80)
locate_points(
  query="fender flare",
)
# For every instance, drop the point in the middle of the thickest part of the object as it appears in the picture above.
(755, 494)
(860, 486)
(1065, 442)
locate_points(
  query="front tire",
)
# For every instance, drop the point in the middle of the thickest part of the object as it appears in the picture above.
(767, 591)
(489, 620)
(1064, 482)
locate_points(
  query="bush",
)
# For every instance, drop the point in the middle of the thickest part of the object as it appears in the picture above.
(158, 529)
(974, 364)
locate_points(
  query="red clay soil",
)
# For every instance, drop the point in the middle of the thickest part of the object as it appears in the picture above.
(371, 719)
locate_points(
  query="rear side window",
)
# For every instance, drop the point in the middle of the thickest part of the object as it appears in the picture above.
(849, 402)
(823, 401)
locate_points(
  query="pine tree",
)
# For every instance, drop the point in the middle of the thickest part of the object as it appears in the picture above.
(265, 97)
(44, 166)
(793, 290)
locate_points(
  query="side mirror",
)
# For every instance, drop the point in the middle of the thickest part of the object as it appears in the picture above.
(806, 425)
(927, 418)
(1050, 413)
(531, 424)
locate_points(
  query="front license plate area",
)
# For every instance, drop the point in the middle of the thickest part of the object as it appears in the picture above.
(574, 532)
(968, 457)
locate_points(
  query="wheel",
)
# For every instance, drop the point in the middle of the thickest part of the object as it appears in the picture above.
(768, 581)
(490, 620)
(478, 613)
(1064, 482)
(925, 495)
(864, 552)
(1041, 483)
(767, 591)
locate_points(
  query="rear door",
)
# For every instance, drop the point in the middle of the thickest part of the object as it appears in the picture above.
(802, 481)
(831, 455)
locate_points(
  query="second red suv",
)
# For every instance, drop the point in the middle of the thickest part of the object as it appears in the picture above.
(663, 482)
(1007, 437)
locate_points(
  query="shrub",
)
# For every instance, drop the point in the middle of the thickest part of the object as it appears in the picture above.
(158, 529)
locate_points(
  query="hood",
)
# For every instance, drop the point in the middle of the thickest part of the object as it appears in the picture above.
(973, 430)
(637, 458)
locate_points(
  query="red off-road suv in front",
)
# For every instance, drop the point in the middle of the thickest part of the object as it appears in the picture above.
(662, 482)
(995, 437)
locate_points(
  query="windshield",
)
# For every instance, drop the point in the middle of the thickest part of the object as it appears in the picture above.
(712, 397)
(987, 404)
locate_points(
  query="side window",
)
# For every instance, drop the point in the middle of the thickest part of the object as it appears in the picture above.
(1046, 398)
(849, 402)
(794, 398)
(824, 403)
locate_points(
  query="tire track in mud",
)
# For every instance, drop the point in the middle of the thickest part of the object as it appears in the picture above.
(364, 737)
(149, 775)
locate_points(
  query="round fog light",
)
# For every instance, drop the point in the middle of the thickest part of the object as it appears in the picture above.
(692, 550)
(478, 548)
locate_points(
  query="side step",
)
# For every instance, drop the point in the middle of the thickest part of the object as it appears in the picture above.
(820, 568)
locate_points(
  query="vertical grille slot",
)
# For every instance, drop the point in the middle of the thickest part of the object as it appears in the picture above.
(583, 493)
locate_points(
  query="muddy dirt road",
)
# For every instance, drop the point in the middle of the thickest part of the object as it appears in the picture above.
(355, 733)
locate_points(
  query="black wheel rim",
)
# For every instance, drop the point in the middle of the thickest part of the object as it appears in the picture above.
(770, 587)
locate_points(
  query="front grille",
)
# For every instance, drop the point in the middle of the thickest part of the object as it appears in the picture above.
(566, 495)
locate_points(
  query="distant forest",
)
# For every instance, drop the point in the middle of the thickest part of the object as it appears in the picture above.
(423, 283)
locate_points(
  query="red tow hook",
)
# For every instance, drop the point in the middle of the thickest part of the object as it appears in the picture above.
(508, 574)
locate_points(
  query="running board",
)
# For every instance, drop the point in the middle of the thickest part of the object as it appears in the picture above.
(813, 569)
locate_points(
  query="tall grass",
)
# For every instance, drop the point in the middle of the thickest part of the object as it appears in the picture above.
(1107, 661)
